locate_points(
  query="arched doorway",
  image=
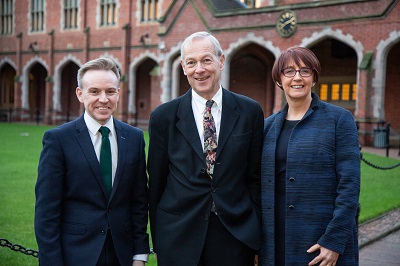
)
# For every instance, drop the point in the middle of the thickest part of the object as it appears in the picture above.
(392, 90)
(250, 75)
(7, 75)
(180, 84)
(338, 78)
(184, 84)
(70, 106)
(37, 92)
(146, 79)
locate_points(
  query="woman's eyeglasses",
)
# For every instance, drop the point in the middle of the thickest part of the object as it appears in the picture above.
(290, 72)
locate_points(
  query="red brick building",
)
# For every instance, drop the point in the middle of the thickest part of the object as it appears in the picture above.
(43, 43)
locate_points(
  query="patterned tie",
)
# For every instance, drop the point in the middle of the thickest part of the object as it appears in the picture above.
(105, 158)
(210, 138)
(210, 143)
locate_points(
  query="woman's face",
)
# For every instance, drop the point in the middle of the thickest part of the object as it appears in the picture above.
(297, 80)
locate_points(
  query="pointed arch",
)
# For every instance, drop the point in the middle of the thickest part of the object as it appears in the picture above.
(25, 79)
(337, 34)
(241, 42)
(379, 65)
(348, 40)
(8, 75)
(132, 108)
(57, 79)
(7, 60)
(167, 71)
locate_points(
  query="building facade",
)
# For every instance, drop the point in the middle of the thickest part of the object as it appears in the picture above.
(43, 43)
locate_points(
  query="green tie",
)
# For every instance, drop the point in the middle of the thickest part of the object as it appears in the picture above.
(105, 158)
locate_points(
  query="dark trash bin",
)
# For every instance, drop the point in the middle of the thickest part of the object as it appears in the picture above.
(380, 137)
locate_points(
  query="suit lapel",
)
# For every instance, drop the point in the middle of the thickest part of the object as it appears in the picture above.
(229, 118)
(187, 126)
(86, 144)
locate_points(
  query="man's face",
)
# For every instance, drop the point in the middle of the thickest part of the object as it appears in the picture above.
(100, 94)
(202, 67)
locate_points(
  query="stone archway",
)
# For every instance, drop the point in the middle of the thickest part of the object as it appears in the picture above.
(392, 90)
(250, 75)
(37, 92)
(70, 106)
(338, 77)
(145, 82)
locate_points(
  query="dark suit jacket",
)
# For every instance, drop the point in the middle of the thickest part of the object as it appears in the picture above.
(322, 189)
(181, 192)
(73, 210)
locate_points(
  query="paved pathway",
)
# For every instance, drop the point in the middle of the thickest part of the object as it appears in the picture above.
(378, 228)
(384, 252)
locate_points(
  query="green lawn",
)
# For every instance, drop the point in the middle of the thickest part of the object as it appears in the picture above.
(380, 189)
(19, 153)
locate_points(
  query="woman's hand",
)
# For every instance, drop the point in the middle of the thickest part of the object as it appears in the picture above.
(326, 256)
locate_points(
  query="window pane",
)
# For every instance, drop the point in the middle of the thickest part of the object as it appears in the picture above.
(323, 92)
(6, 20)
(354, 92)
(345, 92)
(37, 15)
(149, 10)
(335, 92)
(108, 12)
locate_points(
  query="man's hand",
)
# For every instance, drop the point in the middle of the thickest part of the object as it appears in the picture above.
(138, 263)
(255, 260)
(326, 256)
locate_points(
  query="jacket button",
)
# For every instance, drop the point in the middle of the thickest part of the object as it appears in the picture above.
(292, 179)
(203, 171)
(291, 207)
(103, 232)
(206, 217)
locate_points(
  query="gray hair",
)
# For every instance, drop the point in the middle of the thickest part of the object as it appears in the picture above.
(201, 35)
(102, 63)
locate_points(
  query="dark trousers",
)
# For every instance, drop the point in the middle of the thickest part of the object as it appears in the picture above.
(108, 256)
(221, 248)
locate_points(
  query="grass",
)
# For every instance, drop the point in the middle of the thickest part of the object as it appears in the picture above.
(19, 154)
(380, 189)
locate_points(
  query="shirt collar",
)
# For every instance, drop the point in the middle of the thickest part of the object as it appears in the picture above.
(94, 126)
(200, 102)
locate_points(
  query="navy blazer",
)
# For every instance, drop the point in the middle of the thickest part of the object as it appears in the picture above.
(73, 211)
(181, 192)
(322, 185)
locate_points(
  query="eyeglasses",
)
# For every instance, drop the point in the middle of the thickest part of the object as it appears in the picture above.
(290, 72)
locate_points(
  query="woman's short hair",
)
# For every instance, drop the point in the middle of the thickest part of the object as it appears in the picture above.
(298, 55)
(102, 63)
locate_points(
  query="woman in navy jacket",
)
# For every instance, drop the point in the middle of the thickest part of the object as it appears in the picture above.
(310, 173)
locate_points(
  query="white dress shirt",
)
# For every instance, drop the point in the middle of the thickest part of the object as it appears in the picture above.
(199, 108)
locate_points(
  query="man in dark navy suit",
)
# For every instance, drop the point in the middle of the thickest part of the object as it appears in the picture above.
(205, 205)
(78, 219)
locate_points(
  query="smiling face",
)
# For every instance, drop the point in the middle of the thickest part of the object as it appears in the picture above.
(297, 87)
(202, 67)
(99, 94)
